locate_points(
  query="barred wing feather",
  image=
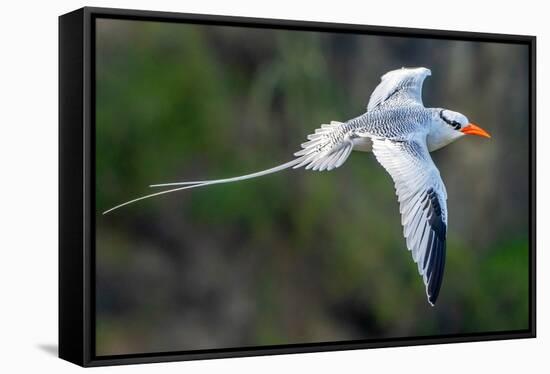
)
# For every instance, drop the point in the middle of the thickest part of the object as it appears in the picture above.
(399, 88)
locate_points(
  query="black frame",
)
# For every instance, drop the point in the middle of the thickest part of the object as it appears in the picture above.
(77, 181)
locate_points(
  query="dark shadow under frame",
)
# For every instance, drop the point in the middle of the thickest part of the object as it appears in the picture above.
(77, 186)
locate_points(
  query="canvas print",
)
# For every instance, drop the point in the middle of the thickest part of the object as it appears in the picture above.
(259, 187)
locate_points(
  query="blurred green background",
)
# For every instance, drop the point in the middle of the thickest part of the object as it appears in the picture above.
(298, 256)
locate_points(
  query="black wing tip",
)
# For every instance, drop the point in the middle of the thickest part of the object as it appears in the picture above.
(437, 246)
(432, 290)
(432, 297)
(436, 279)
(432, 300)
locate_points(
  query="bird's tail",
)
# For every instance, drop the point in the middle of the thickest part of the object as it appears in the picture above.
(194, 184)
(320, 153)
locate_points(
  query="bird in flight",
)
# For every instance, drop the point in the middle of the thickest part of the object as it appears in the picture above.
(401, 133)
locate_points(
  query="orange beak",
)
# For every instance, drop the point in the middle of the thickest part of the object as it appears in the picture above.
(471, 129)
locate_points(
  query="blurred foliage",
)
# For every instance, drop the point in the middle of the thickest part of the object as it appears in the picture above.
(298, 256)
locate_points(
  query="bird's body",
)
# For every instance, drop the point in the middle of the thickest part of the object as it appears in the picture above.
(396, 124)
(392, 123)
(401, 133)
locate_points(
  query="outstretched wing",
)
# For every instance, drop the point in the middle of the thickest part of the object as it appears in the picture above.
(326, 149)
(399, 87)
(422, 203)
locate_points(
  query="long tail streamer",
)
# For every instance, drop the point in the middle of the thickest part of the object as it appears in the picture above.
(189, 185)
(326, 149)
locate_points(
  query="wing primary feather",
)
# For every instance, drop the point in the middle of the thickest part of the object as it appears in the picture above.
(436, 277)
(422, 203)
(424, 244)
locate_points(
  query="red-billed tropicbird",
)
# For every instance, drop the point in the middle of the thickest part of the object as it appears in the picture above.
(401, 133)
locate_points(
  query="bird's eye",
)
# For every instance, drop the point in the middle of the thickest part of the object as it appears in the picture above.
(454, 124)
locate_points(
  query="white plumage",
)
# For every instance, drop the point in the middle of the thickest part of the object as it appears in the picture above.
(405, 83)
(400, 132)
(321, 153)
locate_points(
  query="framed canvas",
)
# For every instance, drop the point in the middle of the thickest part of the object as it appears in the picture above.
(236, 186)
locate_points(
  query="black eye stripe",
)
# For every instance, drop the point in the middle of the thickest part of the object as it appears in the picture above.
(454, 124)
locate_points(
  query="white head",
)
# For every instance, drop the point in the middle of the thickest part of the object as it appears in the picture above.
(447, 126)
